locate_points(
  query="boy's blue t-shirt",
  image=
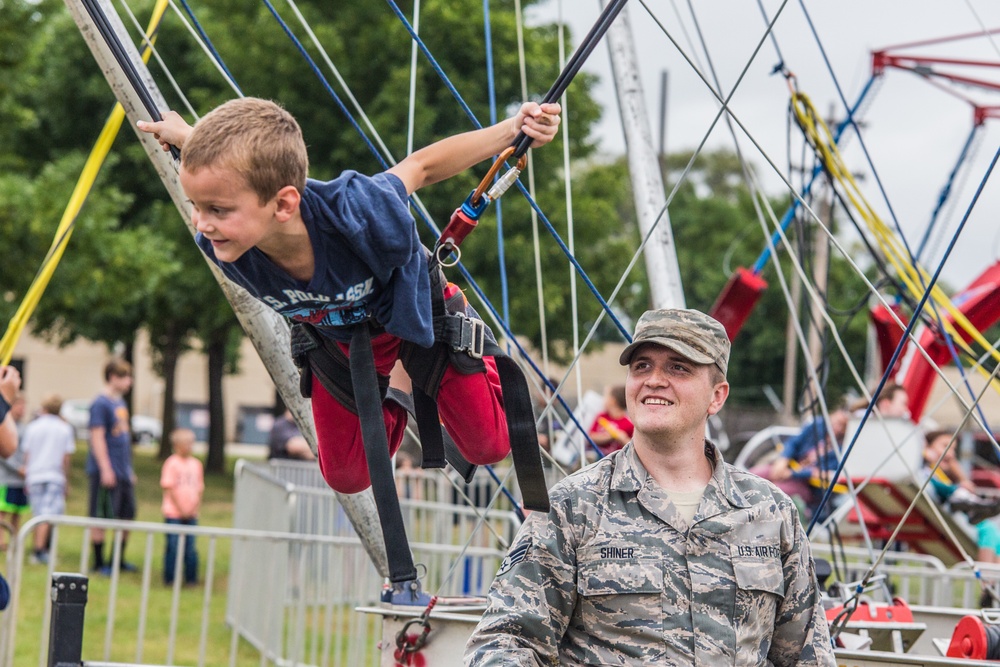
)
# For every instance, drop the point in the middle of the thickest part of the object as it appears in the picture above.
(112, 415)
(368, 262)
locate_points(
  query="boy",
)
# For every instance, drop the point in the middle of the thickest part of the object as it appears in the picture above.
(13, 500)
(109, 461)
(340, 253)
(183, 482)
(48, 443)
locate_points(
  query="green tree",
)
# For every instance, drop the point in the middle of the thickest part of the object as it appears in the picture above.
(716, 230)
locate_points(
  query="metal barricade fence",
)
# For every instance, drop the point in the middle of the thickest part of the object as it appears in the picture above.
(921, 579)
(280, 593)
(460, 555)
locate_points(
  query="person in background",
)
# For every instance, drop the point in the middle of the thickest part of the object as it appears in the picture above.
(952, 487)
(612, 429)
(806, 462)
(183, 482)
(661, 553)
(893, 402)
(286, 441)
(109, 461)
(48, 444)
(13, 499)
(10, 385)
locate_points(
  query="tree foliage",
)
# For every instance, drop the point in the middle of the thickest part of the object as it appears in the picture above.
(131, 264)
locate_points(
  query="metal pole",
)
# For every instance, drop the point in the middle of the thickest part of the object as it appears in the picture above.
(267, 330)
(647, 180)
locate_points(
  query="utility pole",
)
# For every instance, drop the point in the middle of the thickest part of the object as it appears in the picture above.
(647, 179)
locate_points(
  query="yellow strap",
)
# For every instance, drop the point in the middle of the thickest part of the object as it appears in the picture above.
(912, 275)
(815, 480)
(83, 187)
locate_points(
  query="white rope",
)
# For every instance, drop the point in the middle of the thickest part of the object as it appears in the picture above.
(343, 84)
(156, 54)
(535, 243)
(570, 232)
(413, 79)
(204, 47)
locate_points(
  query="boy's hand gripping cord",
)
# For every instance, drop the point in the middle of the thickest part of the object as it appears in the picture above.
(466, 217)
(118, 51)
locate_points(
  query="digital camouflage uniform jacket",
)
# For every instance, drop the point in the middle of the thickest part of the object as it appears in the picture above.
(613, 576)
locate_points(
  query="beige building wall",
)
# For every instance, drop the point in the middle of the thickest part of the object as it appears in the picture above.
(76, 372)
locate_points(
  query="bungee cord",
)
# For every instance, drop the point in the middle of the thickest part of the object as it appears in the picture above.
(67, 223)
(730, 114)
(541, 215)
(149, 44)
(908, 329)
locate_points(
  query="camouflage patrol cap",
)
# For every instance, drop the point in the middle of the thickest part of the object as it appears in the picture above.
(700, 338)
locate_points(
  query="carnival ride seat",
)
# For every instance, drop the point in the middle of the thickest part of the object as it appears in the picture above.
(883, 504)
(886, 487)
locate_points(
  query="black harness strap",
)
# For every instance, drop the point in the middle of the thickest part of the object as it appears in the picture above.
(314, 354)
(461, 340)
(451, 452)
(369, 405)
(523, 435)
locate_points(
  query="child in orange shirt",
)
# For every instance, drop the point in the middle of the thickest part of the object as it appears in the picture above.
(183, 482)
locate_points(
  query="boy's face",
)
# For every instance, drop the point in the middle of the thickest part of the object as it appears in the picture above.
(227, 212)
(183, 444)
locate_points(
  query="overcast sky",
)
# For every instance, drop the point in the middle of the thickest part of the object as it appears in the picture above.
(914, 131)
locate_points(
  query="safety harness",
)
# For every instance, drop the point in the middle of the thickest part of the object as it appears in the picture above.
(461, 339)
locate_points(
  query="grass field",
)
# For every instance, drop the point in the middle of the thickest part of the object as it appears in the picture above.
(216, 510)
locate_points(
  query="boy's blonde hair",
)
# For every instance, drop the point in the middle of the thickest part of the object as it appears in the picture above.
(255, 138)
(52, 404)
(181, 434)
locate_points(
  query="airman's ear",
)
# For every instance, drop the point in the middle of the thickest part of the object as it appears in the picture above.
(719, 395)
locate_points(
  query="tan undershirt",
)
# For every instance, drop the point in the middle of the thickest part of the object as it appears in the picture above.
(686, 502)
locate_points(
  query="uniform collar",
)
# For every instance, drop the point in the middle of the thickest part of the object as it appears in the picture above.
(630, 475)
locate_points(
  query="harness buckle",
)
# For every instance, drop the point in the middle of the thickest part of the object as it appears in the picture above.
(471, 336)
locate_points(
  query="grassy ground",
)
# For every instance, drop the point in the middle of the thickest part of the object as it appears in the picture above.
(128, 610)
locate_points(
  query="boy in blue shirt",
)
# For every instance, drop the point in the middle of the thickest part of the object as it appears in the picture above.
(335, 254)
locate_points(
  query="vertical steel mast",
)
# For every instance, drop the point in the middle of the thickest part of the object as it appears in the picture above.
(647, 179)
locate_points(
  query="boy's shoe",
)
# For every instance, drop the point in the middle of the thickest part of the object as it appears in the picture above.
(39, 558)
(128, 567)
(408, 593)
(104, 571)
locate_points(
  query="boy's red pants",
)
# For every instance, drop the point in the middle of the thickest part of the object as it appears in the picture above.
(471, 408)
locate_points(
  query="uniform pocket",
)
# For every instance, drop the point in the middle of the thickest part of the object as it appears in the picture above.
(620, 577)
(621, 598)
(760, 589)
(759, 575)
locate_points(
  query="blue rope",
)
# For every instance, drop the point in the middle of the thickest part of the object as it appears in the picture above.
(208, 43)
(861, 139)
(326, 84)
(524, 191)
(902, 341)
(491, 85)
(949, 341)
(527, 357)
(789, 216)
(430, 224)
(946, 190)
